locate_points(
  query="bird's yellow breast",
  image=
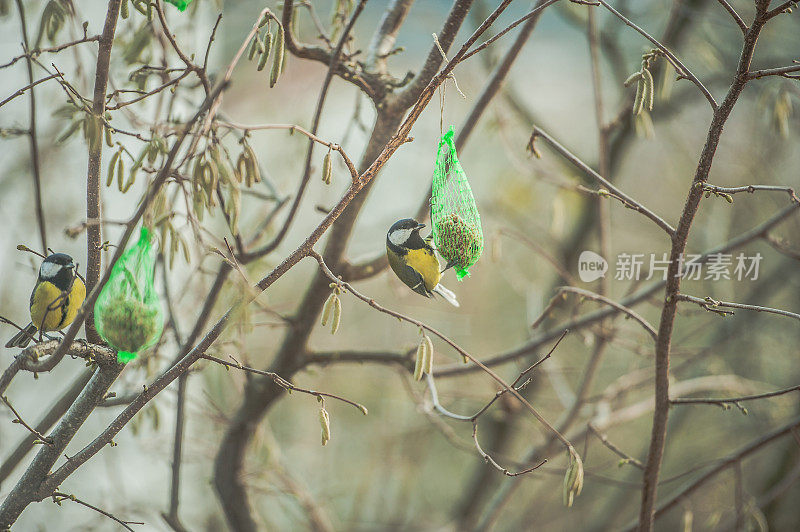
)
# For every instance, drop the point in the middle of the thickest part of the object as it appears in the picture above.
(425, 262)
(51, 312)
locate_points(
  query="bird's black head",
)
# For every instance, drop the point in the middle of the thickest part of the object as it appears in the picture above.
(405, 233)
(58, 269)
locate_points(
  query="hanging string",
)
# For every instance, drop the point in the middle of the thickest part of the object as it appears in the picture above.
(442, 89)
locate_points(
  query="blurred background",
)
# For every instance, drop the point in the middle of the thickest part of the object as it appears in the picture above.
(404, 466)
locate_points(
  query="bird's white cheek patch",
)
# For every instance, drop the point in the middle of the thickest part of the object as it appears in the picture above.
(398, 237)
(49, 270)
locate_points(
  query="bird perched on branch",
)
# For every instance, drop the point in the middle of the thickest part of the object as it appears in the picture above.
(414, 261)
(55, 300)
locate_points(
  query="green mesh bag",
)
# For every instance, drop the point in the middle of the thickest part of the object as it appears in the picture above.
(180, 4)
(128, 313)
(455, 221)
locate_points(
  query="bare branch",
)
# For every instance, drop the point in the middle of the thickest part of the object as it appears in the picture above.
(21, 91)
(602, 299)
(730, 460)
(38, 51)
(334, 61)
(626, 200)
(679, 241)
(383, 41)
(190, 66)
(714, 189)
(32, 131)
(731, 400)
(42, 438)
(489, 460)
(637, 297)
(712, 305)
(283, 383)
(372, 303)
(679, 66)
(370, 86)
(783, 8)
(58, 497)
(780, 71)
(295, 128)
(616, 450)
(739, 22)
(533, 13)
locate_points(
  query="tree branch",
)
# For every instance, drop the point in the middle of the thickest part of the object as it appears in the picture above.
(372, 303)
(39, 435)
(731, 400)
(712, 305)
(739, 22)
(93, 233)
(730, 460)
(58, 497)
(679, 66)
(626, 200)
(602, 299)
(680, 238)
(714, 189)
(446, 36)
(32, 136)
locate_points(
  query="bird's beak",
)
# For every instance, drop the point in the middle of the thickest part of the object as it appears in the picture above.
(70, 266)
(420, 226)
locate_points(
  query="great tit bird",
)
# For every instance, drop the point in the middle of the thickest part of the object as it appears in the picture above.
(55, 299)
(414, 261)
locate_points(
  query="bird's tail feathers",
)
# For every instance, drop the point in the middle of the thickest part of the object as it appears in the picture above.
(22, 338)
(448, 295)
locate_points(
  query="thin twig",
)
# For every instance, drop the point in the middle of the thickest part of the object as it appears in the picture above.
(781, 247)
(210, 41)
(622, 308)
(59, 496)
(780, 71)
(21, 91)
(157, 90)
(628, 201)
(679, 66)
(783, 8)
(335, 60)
(714, 189)
(190, 66)
(713, 305)
(739, 22)
(516, 385)
(616, 450)
(21, 421)
(32, 133)
(489, 460)
(283, 383)
(295, 128)
(532, 13)
(731, 400)
(38, 51)
(372, 303)
(733, 458)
